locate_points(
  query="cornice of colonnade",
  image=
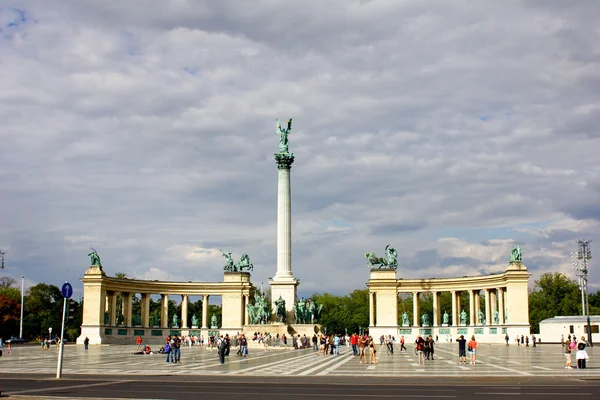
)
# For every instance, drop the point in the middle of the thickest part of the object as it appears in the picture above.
(381, 279)
(238, 283)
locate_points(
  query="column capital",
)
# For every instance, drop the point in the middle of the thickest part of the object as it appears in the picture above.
(284, 160)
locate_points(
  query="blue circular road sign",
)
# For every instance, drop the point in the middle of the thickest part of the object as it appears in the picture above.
(67, 290)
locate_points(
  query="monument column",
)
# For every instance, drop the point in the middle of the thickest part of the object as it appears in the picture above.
(488, 306)
(246, 302)
(416, 309)
(454, 309)
(112, 308)
(284, 284)
(493, 304)
(145, 309)
(184, 311)
(164, 311)
(471, 307)
(436, 309)
(501, 305)
(205, 311)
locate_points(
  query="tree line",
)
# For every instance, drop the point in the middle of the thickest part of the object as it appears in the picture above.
(554, 294)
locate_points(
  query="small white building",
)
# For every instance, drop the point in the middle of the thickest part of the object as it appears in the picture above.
(553, 329)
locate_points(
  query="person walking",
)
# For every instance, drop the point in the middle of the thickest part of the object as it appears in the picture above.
(336, 345)
(462, 350)
(506, 338)
(473, 349)
(581, 355)
(354, 342)
(372, 351)
(139, 341)
(362, 344)
(314, 342)
(402, 344)
(168, 351)
(420, 343)
(176, 349)
(86, 343)
(221, 347)
(243, 346)
(431, 347)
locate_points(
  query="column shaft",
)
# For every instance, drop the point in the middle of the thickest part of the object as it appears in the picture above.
(471, 307)
(145, 308)
(493, 304)
(488, 306)
(284, 225)
(112, 308)
(477, 307)
(164, 312)
(205, 311)
(455, 307)
(416, 321)
(436, 309)
(501, 305)
(184, 311)
(371, 309)
(246, 302)
(127, 308)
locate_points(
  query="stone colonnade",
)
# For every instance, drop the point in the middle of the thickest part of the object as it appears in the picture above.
(506, 305)
(100, 314)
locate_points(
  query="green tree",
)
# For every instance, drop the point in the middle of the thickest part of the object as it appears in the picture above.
(553, 295)
(341, 313)
(7, 282)
(43, 310)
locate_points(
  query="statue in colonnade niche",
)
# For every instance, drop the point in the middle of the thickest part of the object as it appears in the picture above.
(213, 322)
(405, 319)
(481, 317)
(106, 318)
(120, 318)
(445, 318)
(425, 319)
(175, 321)
(194, 321)
(496, 317)
(155, 320)
(137, 320)
(463, 317)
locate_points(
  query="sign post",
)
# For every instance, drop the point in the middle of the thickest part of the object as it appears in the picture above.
(67, 292)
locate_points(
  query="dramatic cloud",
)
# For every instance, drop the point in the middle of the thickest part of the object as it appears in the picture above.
(450, 130)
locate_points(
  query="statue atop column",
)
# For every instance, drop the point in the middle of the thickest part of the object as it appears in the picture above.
(388, 262)
(231, 266)
(94, 259)
(516, 255)
(283, 136)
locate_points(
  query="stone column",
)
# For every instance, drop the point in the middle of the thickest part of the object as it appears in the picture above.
(127, 308)
(416, 321)
(455, 307)
(184, 311)
(477, 307)
(284, 284)
(436, 309)
(205, 311)
(246, 302)
(145, 308)
(488, 306)
(471, 307)
(493, 304)
(371, 309)
(501, 305)
(164, 312)
(112, 308)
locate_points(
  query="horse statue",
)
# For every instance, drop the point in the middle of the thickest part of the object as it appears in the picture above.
(244, 264)
(229, 264)
(314, 310)
(258, 313)
(389, 261)
(516, 255)
(301, 312)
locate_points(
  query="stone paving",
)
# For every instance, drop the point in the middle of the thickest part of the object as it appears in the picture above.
(492, 360)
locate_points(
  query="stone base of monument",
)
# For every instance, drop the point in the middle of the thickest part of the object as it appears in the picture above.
(444, 325)
(483, 334)
(280, 328)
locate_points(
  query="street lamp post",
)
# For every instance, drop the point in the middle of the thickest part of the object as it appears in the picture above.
(580, 259)
(22, 304)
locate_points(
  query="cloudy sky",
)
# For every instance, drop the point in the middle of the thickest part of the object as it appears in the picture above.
(451, 130)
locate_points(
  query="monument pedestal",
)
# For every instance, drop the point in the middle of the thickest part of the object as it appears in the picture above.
(284, 287)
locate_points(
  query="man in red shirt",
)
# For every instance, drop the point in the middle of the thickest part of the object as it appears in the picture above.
(139, 342)
(354, 343)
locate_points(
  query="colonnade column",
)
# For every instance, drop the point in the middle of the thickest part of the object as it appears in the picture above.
(436, 308)
(471, 307)
(112, 308)
(415, 308)
(371, 309)
(455, 308)
(493, 304)
(127, 308)
(145, 309)
(164, 311)
(184, 311)
(246, 302)
(477, 307)
(501, 305)
(204, 311)
(488, 306)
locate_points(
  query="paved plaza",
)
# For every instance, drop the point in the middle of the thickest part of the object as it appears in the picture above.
(493, 360)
